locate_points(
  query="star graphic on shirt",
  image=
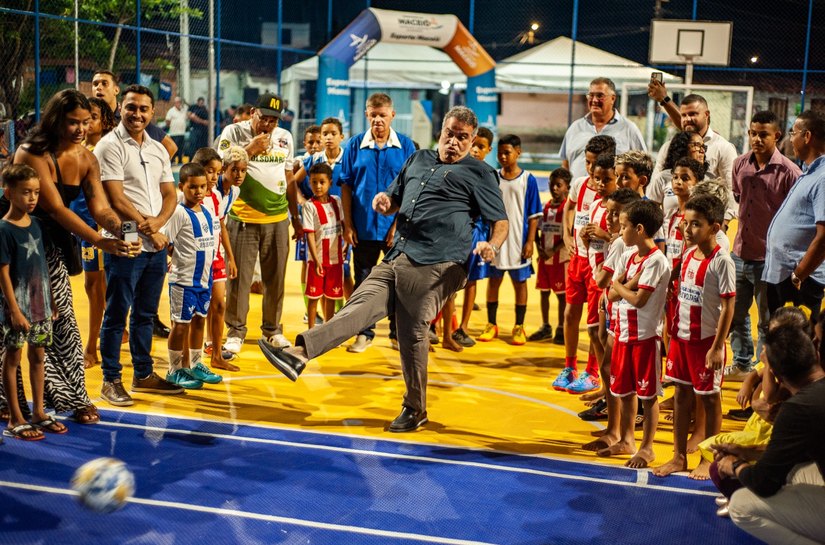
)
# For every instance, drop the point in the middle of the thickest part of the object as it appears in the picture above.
(31, 247)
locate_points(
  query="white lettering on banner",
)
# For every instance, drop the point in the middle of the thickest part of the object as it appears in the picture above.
(338, 91)
(399, 26)
(486, 90)
(332, 82)
(486, 98)
(414, 38)
(469, 54)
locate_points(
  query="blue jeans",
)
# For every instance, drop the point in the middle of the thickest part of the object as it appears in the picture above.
(749, 285)
(136, 284)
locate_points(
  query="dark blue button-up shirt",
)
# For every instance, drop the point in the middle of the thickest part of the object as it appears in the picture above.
(438, 203)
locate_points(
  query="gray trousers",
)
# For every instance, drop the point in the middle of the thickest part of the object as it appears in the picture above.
(793, 516)
(420, 292)
(271, 241)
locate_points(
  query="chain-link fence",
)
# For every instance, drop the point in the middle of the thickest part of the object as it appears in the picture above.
(177, 47)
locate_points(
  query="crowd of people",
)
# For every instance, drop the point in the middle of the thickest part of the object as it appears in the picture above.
(641, 244)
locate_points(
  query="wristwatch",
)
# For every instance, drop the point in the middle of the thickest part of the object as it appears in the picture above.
(665, 100)
(795, 279)
(736, 465)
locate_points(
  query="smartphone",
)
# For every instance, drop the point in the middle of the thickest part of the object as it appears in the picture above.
(130, 231)
(657, 76)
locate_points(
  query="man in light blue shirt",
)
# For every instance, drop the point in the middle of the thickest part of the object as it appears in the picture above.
(370, 163)
(602, 119)
(794, 269)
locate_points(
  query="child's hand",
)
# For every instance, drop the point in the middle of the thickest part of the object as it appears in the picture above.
(527, 251)
(633, 283)
(231, 269)
(543, 254)
(598, 232)
(19, 322)
(319, 269)
(570, 243)
(715, 359)
(743, 397)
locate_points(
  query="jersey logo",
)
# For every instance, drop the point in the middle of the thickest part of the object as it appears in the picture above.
(669, 364)
(704, 376)
(224, 145)
(643, 384)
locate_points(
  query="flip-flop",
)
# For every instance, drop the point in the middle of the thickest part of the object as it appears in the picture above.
(18, 432)
(51, 425)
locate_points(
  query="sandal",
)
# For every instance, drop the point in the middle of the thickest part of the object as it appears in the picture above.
(51, 425)
(86, 415)
(20, 432)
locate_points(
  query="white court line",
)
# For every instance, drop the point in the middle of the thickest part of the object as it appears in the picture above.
(410, 457)
(259, 516)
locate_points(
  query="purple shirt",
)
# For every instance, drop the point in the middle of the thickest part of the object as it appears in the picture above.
(760, 194)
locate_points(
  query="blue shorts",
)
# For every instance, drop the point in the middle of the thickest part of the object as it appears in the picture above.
(92, 257)
(347, 258)
(477, 268)
(187, 301)
(518, 275)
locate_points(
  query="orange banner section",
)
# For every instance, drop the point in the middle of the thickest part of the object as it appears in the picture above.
(468, 54)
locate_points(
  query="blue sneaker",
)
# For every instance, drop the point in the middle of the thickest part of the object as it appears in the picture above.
(585, 383)
(567, 375)
(184, 378)
(204, 374)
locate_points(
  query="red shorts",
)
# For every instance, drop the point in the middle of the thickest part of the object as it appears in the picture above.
(219, 269)
(686, 365)
(636, 367)
(330, 285)
(552, 277)
(581, 288)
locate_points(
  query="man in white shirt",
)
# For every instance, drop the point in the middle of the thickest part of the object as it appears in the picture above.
(137, 177)
(176, 126)
(695, 116)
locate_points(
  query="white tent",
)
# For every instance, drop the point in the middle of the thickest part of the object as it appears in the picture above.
(546, 67)
(385, 65)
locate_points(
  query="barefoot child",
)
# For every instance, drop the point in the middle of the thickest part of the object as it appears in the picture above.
(520, 192)
(26, 309)
(221, 192)
(191, 235)
(553, 257)
(639, 289)
(323, 225)
(616, 202)
(701, 321)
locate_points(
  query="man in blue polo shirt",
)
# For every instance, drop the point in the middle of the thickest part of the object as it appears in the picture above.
(370, 163)
(601, 119)
(794, 269)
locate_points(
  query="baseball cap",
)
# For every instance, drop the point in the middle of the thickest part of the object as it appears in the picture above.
(269, 104)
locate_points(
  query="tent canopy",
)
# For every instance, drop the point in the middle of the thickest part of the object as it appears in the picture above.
(547, 67)
(391, 65)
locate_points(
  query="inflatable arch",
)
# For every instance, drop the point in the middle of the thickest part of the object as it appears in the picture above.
(440, 31)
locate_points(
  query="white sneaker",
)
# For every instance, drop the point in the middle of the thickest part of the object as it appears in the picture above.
(736, 373)
(362, 342)
(279, 341)
(233, 344)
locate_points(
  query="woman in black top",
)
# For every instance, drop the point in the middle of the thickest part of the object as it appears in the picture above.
(65, 167)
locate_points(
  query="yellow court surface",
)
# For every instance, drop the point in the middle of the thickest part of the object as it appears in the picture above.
(493, 396)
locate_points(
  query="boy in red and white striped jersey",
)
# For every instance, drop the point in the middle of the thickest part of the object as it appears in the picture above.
(701, 321)
(638, 291)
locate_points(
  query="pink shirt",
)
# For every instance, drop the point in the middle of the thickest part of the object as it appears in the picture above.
(760, 194)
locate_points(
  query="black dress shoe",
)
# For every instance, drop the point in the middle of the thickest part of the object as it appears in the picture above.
(408, 420)
(159, 329)
(282, 360)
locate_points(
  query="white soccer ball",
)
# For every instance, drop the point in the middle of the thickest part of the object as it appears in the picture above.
(103, 484)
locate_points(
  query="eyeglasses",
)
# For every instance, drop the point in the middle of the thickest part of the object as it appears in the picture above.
(597, 96)
(697, 146)
(793, 133)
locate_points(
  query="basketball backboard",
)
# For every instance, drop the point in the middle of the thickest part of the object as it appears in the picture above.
(675, 41)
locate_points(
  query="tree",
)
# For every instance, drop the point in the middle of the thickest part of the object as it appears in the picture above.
(98, 45)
